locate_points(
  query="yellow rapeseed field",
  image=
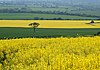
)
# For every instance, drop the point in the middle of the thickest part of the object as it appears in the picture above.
(50, 23)
(82, 53)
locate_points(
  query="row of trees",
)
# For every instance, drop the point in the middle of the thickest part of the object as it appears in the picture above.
(64, 13)
(38, 18)
(60, 18)
(28, 10)
(15, 10)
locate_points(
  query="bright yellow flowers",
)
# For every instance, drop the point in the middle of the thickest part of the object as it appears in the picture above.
(82, 53)
(50, 23)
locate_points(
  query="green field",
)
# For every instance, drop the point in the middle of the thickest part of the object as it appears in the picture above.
(48, 28)
(20, 16)
(18, 12)
(8, 32)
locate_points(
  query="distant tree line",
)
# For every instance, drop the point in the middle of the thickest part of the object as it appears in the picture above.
(42, 18)
(39, 18)
(59, 18)
(64, 13)
(16, 10)
(26, 10)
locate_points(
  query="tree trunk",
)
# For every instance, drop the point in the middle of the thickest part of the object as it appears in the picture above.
(34, 29)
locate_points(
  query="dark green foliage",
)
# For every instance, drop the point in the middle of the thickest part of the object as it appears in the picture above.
(92, 21)
(34, 25)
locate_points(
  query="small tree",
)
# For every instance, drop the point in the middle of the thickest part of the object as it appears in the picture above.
(92, 22)
(34, 25)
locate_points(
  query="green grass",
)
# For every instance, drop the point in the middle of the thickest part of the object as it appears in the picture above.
(32, 15)
(7, 32)
(87, 12)
(68, 9)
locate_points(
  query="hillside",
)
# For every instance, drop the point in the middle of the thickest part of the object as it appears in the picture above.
(82, 8)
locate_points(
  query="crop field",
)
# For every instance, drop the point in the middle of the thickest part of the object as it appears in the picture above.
(13, 32)
(50, 23)
(82, 53)
(6, 32)
(15, 12)
(47, 28)
(49, 35)
(31, 16)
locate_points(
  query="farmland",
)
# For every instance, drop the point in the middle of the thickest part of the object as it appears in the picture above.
(47, 28)
(46, 32)
(32, 16)
(49, 35)
(50, 23)
(82, 53)
(30, 12)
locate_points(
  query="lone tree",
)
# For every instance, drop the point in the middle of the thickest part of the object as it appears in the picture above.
(92, 22)
(34, 25)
